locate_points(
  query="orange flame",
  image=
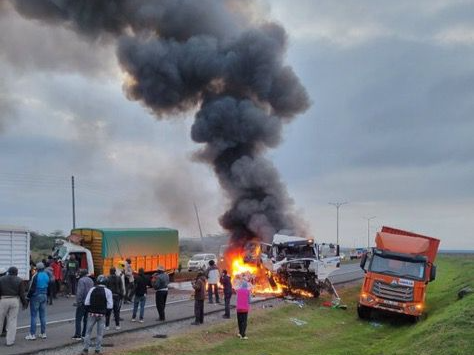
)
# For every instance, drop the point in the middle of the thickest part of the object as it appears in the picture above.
(251, 271)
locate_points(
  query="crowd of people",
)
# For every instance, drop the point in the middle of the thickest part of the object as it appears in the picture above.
(97, 300)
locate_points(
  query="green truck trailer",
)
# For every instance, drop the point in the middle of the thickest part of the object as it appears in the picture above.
(98, 249)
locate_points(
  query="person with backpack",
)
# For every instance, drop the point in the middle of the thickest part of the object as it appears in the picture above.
(115, 285)
(98, 300)
(161, 287)
(243, 307)
(227, 286)
(212, 274)
(37, 295)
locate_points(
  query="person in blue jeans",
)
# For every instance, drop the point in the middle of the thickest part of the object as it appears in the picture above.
(38, 296)
(141, 283)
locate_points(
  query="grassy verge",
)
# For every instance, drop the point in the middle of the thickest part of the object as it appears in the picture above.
(448, 329)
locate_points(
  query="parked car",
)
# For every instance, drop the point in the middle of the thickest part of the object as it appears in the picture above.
(200, 261)
(357, 253)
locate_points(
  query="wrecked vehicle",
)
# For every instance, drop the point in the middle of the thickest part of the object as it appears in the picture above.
(300, 265)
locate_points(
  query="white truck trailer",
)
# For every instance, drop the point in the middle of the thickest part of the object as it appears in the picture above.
(15, 249)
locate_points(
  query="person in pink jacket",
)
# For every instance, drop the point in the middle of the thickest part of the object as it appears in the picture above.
(243, 307)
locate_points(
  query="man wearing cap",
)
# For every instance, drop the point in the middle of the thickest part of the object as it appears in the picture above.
(12, 292)
(161, 286)
(37, 294)
(84, 284)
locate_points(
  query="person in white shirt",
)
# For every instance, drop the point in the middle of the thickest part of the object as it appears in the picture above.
(213, 276)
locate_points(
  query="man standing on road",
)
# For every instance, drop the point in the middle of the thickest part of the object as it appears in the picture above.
(199, 295)
(227, 285)
(72, 267)
(37, 294)
(115, 285)
(161, 287)
(212, 280)
(141, 283)
(3, 272)
(128, 280)
(84, 285)
(98, 301)
(12, 292)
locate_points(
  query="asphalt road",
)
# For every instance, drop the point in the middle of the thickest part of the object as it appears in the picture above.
(60, 316)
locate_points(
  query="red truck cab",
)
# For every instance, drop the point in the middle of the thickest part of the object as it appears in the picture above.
(397, 273)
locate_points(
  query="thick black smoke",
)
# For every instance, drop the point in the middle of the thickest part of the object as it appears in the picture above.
(185, 54)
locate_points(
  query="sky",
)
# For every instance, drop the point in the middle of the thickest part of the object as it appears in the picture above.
(389, 131)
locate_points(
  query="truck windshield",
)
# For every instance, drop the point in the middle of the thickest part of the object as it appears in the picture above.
(61, 251)
(397, 267)
(295, 252)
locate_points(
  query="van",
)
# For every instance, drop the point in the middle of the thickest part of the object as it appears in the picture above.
(200, 261)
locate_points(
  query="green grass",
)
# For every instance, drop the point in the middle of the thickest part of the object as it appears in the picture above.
(448, 328)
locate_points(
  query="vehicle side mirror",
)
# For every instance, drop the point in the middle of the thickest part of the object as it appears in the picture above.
(433, 273)
(363, 260)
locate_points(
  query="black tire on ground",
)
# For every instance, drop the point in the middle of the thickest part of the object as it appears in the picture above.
(363, 312)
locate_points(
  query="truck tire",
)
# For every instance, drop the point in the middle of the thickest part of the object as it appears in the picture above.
(363, 312)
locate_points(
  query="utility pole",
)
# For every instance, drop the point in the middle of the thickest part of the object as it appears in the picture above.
(368, 229)
(199, 225)
(73, 204)
(337, 205)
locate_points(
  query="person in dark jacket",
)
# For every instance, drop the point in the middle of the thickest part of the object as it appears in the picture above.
(84, 284)
(199, 286)
(226, 283)
(161, 287)
(12, 294)
(3, 272)
(139, 295)
(72, 267)
(98, 300)
(115, 285)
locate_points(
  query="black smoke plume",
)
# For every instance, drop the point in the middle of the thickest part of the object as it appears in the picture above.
(209, 55)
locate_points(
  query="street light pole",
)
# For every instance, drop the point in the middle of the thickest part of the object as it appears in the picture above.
(368, 229)
(337, 205)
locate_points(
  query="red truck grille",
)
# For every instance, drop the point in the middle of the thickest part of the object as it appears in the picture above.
(393, 292)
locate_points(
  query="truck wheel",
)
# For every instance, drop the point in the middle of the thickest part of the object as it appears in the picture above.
(363, 312)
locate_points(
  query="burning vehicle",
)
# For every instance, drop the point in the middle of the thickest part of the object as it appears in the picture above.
(290, 265)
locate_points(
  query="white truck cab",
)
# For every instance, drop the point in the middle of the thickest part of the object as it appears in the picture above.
(64, 250)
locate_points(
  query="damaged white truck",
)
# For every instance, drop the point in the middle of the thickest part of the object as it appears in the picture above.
(300, 265)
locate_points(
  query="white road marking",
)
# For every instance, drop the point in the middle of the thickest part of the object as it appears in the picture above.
(122, 310)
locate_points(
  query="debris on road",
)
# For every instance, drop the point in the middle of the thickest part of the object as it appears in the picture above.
(298, 322)
(299, 303)
(160, 336)
(464, 292)
(376, 324)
